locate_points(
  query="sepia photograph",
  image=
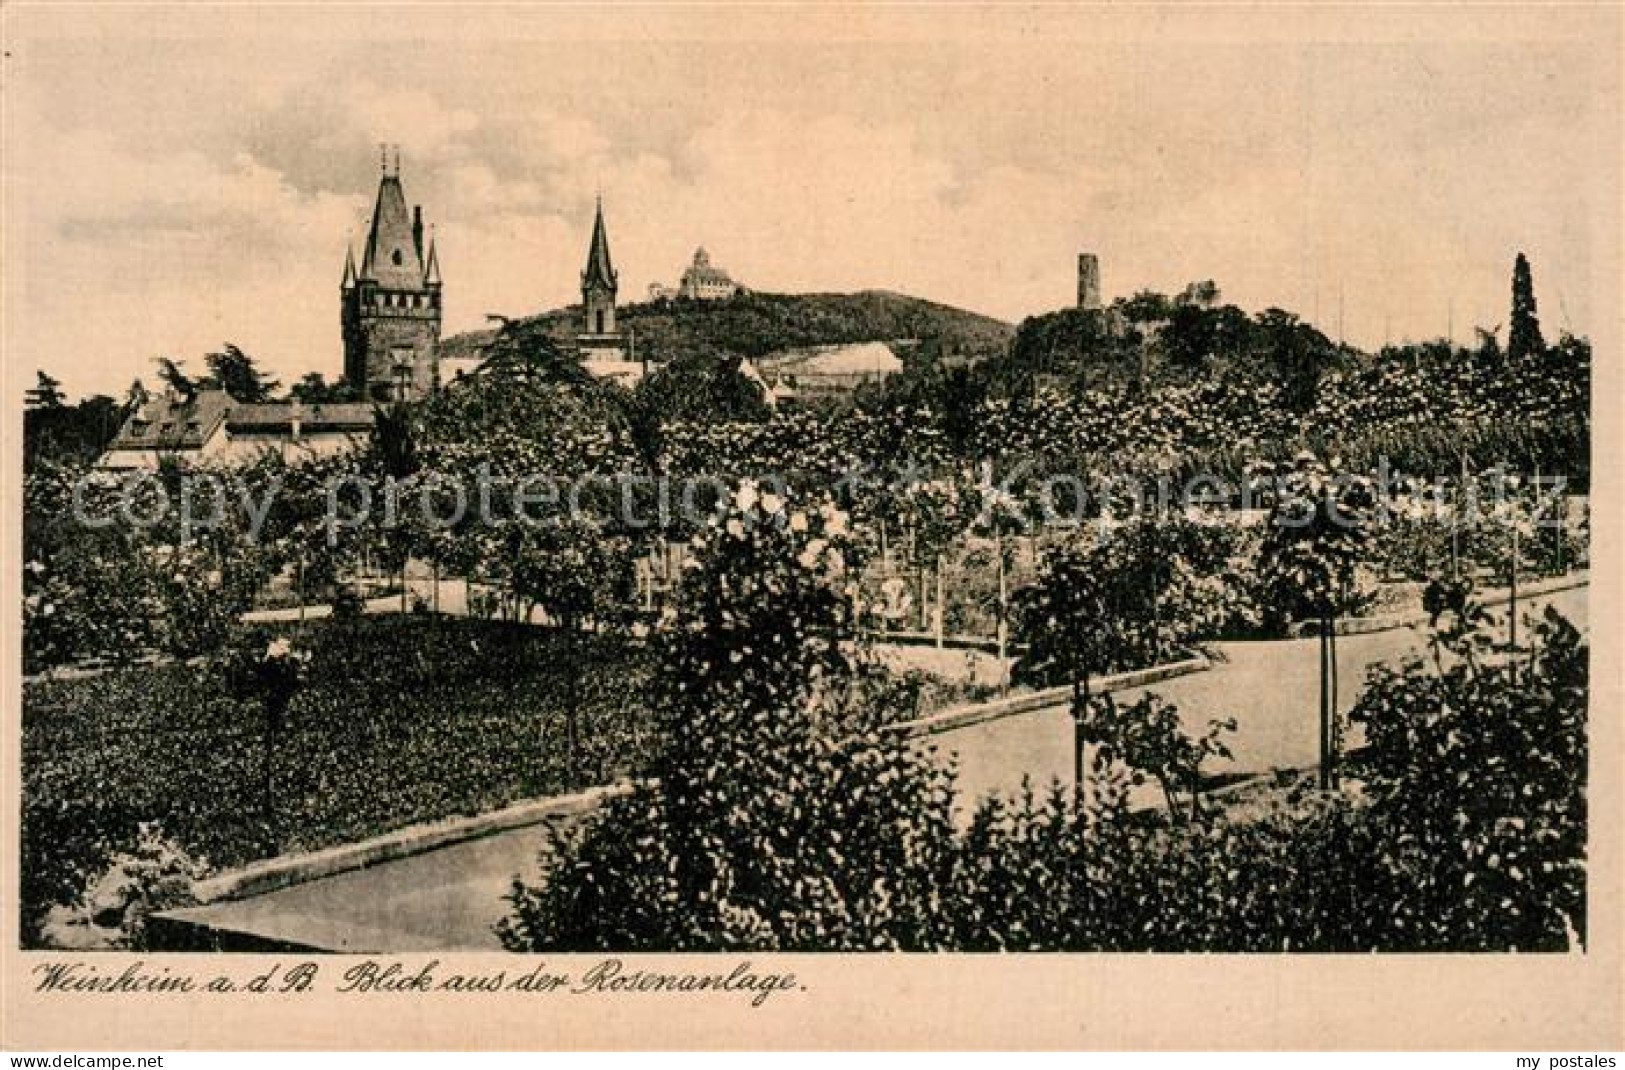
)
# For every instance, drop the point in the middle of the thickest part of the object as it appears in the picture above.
(579, 486)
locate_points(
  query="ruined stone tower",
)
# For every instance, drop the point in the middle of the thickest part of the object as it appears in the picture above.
(1089, 282)
(390, 308)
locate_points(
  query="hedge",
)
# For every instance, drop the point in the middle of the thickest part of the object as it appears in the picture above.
(404, 719)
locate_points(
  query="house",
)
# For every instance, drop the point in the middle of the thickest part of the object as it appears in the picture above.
(826, 371)
(209, 427)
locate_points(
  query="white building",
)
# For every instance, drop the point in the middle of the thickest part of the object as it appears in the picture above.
(825, 371)
(705, 282)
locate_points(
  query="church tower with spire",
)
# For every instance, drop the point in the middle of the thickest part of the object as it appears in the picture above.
(390, 306)
(599, 282)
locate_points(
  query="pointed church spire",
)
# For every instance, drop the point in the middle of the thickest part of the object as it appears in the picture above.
(599, 271)
(349, 267)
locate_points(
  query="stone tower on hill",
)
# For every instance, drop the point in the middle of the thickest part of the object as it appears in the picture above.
(599, 282)
(390, 308)
(1089, 282)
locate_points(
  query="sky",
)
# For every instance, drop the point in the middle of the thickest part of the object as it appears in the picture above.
(175, 180)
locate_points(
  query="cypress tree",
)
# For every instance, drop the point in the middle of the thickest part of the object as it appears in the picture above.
(1525, 338)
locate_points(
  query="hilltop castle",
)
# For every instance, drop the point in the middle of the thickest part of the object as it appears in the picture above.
(390, 309)
(702, 281)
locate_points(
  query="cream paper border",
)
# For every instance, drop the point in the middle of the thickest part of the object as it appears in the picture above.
(1492, 1002)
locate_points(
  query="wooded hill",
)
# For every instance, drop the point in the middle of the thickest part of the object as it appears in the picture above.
(754, 324)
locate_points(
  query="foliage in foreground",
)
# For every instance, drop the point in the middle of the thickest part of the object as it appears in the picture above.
(154, 874)
(1462, 827)
(785, 815)
(402, 720)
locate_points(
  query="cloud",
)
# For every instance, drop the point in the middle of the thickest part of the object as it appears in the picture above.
(163, 204)
(406, 116)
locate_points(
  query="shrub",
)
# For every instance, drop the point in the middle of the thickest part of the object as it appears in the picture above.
(402, 720)
(785, 817)
(66, 841)
(1476, 771)
(155, 873)
(1147, 736)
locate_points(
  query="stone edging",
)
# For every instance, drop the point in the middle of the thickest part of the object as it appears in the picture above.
(283, 871)
(928, 640)
(961, 716)
(1389, 621)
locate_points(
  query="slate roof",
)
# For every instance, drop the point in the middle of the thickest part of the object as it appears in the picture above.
(172, 422)
(279, 414)
(599, 270)
(391, 257)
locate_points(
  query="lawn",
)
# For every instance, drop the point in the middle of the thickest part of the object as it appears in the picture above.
(404, 719)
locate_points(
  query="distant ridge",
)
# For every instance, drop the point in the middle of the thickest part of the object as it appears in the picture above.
(755, 324)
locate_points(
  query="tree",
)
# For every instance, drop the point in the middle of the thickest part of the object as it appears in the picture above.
(173, 375)
(46, 393)
(524, 350)
(1073, 341)
(135, 397)
(935, 513)
(1174, 562)
(87, 592)
(1190, 337)
(1313, 543)
(239, 375)
(1148, 736)
(314, 389)
(271, 677)
(961, 393)
(1295, 351)
(1072, 621)
(73, 434)
(999, 514)
(1469, 833)
(1204, 294)
(1524, 340)
(1476, 781)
